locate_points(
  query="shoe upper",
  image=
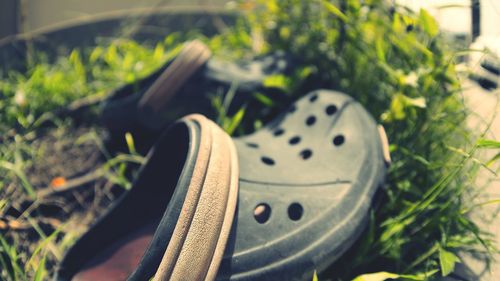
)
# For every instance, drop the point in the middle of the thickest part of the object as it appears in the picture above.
(307, 180)
(306, 184)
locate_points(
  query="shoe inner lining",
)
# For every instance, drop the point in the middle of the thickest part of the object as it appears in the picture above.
(120, 259)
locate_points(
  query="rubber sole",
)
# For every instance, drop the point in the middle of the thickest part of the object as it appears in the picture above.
(199, 239)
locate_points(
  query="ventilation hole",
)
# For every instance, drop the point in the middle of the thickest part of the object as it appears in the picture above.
(295, 211)
(310, 120)
(279, 132)
(292, 109)
(267, 161)
(262, 213)
(313, 98)
(331, 109)
(338, 140)
(306, 154)
(252, 145)
(295, 140)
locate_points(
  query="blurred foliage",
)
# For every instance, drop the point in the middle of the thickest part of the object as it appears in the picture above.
(395, 62)
(25, 97)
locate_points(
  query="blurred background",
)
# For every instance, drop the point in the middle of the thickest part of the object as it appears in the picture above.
(21, 16)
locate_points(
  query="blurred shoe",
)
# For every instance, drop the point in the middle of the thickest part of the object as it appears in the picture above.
(181, 87)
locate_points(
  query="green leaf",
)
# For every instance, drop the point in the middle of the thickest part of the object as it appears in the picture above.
(383, 275)
(447, 261)
(265, 100)
(392, 230)
(277, 81)
(419, 277)
(493, 160)
(41, 271)
(21, 175)
(96, 54)
(334, 10)
(379, 276)
(400, 103)
(398, 107)
(130, 143)
(416, 102)
(490, 202)
(428, 23)
(380, 48)
(484, 143)
(398, 24)
(235, 121)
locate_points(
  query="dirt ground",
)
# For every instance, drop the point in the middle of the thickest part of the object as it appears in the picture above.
(62, 157)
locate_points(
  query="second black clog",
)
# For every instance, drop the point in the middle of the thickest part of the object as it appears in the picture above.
(307, 181)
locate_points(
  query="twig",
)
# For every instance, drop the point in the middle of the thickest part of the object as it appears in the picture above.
(71, 184)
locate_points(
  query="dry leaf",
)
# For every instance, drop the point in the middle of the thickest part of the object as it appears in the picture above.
(58, 182)
(15, 225)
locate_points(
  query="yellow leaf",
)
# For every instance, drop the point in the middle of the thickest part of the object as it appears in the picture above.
(447, 261)
(398, 107)
(379, 276)
(428, 23)
(58, 182)
(315, 276)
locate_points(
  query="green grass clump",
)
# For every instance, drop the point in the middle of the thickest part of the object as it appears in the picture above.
(27, 97)
(392, 60)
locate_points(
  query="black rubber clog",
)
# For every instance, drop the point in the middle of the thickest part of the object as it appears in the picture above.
(179, 209)
(306, 184)
(180, 87)
(307, 181)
